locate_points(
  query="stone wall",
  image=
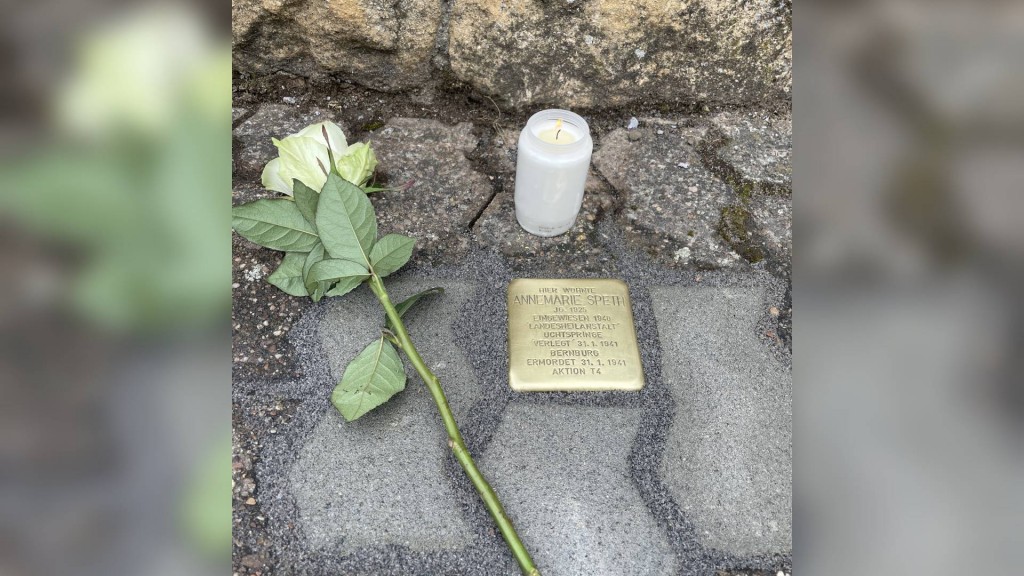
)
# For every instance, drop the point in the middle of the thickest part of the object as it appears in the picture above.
(578, 53)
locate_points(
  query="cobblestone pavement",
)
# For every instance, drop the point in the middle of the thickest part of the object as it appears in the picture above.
(692, 475)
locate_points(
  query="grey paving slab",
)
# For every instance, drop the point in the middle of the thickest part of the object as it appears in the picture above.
(564, 471)
(672, 203)
(440, 192)
(728, 455)
(272, 121)
(759, 147)
(772, 217)
(381, 480)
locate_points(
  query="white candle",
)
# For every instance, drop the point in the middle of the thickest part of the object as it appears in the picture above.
(551, 170)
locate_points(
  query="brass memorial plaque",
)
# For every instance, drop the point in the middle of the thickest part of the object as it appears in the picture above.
(572, 335)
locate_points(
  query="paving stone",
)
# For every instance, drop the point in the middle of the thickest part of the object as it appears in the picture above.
(759, 148)
(250, 192)
(498, 227)
(728, 456)
(772, 217)
(381, 479)
(237, 113)
(447, 193)
(272, 121)
(672, 203)
(563, 471)
(505, 144)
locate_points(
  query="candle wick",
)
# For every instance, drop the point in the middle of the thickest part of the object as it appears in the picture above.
(557, 133)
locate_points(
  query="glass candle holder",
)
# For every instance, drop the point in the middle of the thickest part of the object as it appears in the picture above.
(551, 170)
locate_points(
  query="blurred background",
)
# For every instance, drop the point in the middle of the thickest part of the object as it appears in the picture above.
(908, 274)
(115, 163)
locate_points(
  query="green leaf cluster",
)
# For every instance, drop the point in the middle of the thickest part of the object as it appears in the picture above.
(331, 247)
(329, 238)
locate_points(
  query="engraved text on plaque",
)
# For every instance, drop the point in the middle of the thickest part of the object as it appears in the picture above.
(571, 335)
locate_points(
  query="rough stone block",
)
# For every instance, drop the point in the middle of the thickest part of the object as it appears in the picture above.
(612, 52)
(381, 44)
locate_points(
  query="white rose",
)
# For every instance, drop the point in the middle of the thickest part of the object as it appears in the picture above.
(303, 156)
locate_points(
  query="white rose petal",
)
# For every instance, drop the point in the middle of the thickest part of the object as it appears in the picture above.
(334, 133)
(304, 156)
(272, 179)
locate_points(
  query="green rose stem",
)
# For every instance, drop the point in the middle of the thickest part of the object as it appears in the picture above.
(455, 442)
(330, 239)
